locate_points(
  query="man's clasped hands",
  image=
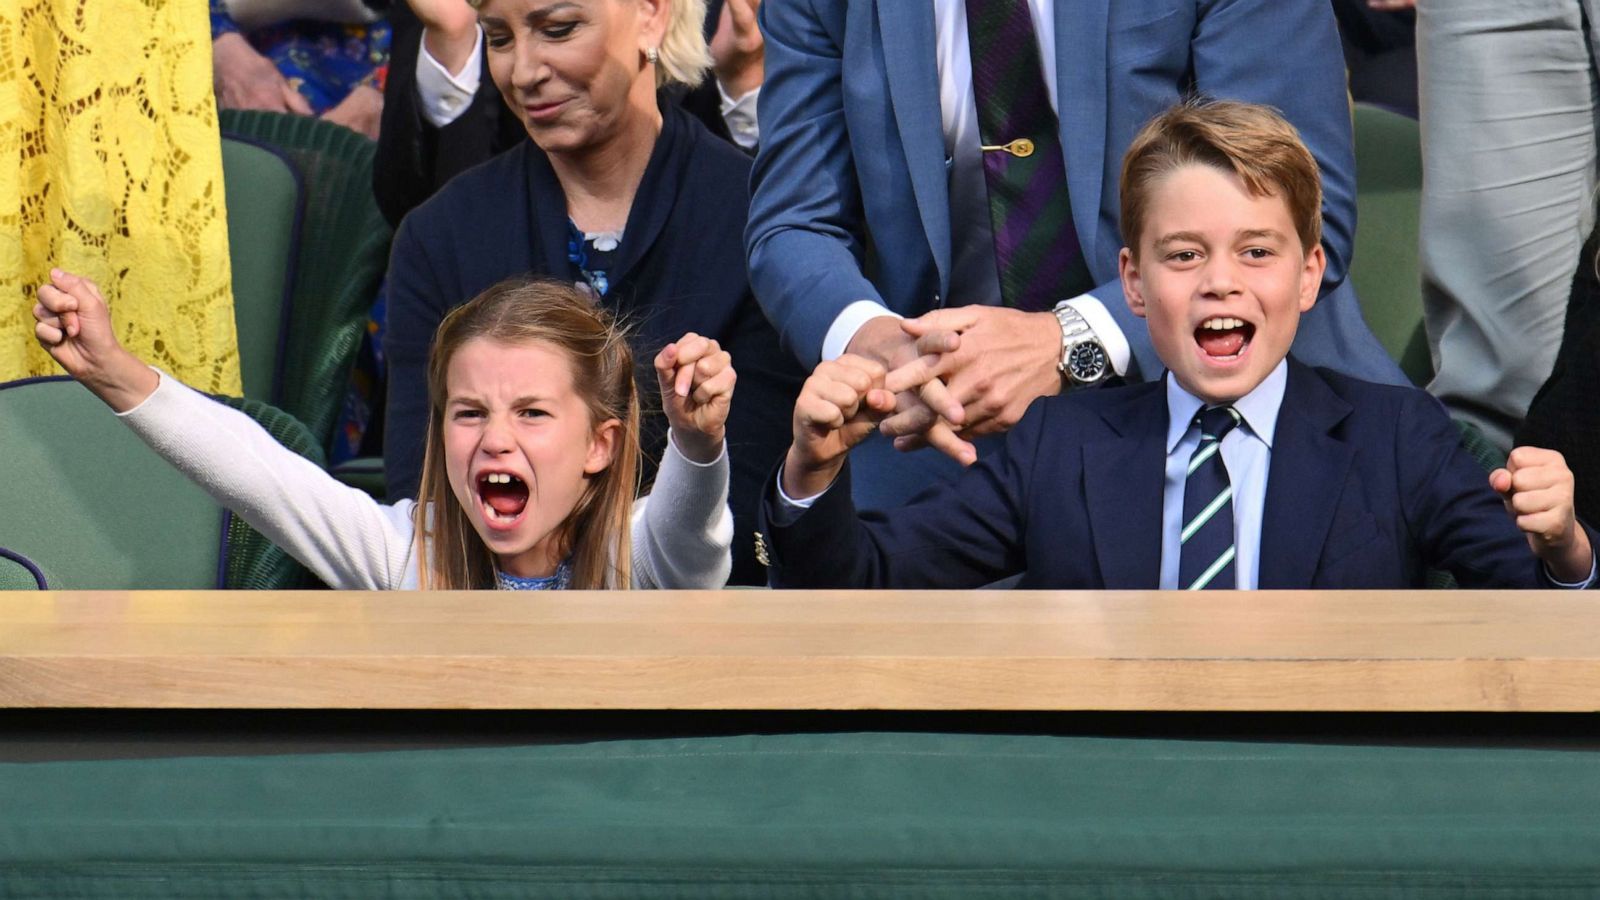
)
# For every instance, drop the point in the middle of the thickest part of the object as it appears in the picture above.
(955, 374)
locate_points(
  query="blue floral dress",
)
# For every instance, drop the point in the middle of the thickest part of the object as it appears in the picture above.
(324, 61)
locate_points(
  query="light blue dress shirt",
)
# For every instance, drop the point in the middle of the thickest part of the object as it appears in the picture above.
(1247, 455)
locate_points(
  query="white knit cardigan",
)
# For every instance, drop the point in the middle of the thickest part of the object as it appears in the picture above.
(681, 532)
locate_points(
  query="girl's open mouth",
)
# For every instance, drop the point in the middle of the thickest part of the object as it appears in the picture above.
(503, 496)
(1224, 338)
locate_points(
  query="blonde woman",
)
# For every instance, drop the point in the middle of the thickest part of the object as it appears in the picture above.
(630, 198)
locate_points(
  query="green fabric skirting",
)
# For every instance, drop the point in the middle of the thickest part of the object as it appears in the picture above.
(841, 815)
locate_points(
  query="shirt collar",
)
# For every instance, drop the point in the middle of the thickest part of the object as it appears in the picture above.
(1259, 407)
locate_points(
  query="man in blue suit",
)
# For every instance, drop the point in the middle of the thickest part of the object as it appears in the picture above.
(1242, 468)
(870, 198)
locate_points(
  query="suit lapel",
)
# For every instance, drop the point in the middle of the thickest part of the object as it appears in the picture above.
(1304, 482)
(1123, 481)
(1081, 108)
(913, 77)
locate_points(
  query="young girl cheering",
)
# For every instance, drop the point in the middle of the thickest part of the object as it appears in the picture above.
(531, 464)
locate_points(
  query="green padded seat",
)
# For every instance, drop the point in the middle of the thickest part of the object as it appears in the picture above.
(85, 500)
(18, 573)
(1385, 270)
(264, 208)
(858, 816)
(364, 473)
(255, 563)
(341, 257)
(90, 504)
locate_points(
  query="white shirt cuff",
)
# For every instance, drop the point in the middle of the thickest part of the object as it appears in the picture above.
(790, 509)
(1594, 565)
(849, 321)
(444, 96)
(740, 115)
(1105, 328)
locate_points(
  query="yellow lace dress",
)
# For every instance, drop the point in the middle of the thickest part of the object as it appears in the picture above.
(110, 167)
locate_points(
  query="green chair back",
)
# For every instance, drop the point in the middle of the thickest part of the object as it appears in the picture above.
(90, 504)
(86, 501)
(253, 561)
(1385, 270)
(264, 209)
(342, 254)
(18, 573)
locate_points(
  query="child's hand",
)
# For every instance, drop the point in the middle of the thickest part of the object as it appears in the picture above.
(841, 403)
(697, 380)
(1538, 488)
(73, 324)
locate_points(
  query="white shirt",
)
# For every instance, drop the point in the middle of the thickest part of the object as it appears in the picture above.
(974, 277)
(445, 96)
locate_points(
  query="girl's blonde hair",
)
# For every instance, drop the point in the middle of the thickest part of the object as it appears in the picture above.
(685, 57)
(595, 535)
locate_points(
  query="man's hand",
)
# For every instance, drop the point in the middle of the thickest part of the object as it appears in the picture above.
(838, 407)
(360, 111)
(999, 361)
(738, 53)
(449, 31)
(244, 79)
(1538, 488)
(696, 377)
(919, 397)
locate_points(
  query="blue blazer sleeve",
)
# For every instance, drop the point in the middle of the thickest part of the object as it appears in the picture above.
(961, 535)
(804, 238)
(1459, 524)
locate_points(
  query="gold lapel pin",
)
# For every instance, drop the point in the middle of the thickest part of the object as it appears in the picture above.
(1020, 148)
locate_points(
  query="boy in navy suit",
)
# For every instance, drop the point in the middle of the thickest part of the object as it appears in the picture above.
(1242, 468)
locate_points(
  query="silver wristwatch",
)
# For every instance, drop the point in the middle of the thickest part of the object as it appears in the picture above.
(1083, 357)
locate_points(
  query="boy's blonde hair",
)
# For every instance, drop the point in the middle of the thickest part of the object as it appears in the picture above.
(595, 534)
(1251, 141)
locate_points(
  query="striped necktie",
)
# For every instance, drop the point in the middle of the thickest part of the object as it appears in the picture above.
(1206, 558)
(1036, 246)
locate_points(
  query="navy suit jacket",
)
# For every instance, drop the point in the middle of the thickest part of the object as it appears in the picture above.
(679, 268)
(851, 192)
(1367, 488)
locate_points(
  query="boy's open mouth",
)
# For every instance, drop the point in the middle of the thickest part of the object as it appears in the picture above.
(504, 496)
(1224, 337)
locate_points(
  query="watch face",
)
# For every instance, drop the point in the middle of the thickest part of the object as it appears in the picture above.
(1087, 362)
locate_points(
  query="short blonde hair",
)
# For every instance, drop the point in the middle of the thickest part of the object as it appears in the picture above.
(684, 55)
(1251, 141)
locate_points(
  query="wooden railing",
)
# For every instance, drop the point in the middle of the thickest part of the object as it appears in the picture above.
(779, 650)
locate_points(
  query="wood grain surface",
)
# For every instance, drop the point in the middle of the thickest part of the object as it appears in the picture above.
(1264, 651)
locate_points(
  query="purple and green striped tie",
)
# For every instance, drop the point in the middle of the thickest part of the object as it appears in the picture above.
(1035, 243)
